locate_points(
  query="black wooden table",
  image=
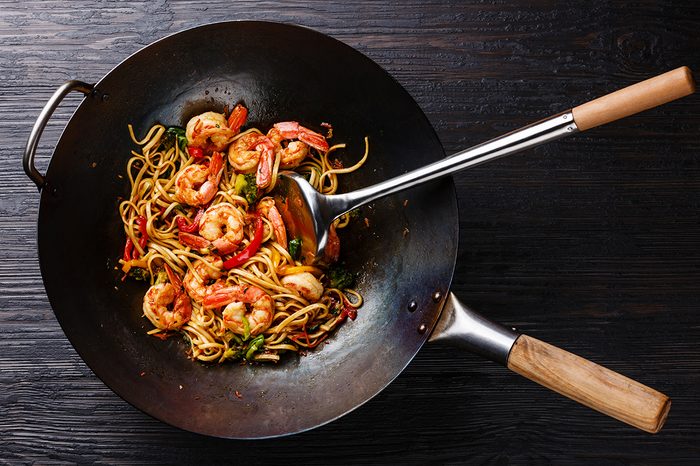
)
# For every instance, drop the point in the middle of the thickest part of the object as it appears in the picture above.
(592, 243)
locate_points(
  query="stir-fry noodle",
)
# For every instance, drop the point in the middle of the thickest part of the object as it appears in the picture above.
(213, 248)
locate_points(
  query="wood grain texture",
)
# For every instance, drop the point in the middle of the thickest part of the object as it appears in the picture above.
(650, 93)
(590, 384)
(589, 243)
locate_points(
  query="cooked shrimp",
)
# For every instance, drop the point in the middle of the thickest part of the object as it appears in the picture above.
(166, 305)
(267, 209)
(240, 155)
(222, 224)
(253, 153)
(304, 284)
(290, 156)
(197, 184)
(210, 130)
(300, 139)
(209, 280)
(246, 306)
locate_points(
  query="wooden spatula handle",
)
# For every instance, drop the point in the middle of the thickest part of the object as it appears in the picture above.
(589, 384)
(635, 98)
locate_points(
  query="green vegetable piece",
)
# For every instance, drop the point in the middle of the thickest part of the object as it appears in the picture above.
(174, 135)
(245, 186)
(239, 184)
(232, 354)
(232, 337)
(295, 248)
(162, 277)
(250, 192)
(340, 278)
(137, 273)
(255, 345)
(246, 329)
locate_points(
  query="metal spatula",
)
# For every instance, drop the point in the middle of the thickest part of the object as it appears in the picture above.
(308, 214)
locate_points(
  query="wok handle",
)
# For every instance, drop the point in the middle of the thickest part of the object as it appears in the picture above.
(40, 124)
(588, 383)
(581, 380)
(635, 98)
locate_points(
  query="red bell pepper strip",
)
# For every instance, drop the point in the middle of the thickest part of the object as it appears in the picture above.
(128, 250)
(249, 250)
(195, 152)
(348, 311)
(192, 227)
(141, 223)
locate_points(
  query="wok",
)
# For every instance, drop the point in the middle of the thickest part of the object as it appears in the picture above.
(280, 72)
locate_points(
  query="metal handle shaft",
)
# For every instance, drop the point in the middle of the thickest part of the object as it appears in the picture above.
(40, 124)
(543, 131)
(464, 328)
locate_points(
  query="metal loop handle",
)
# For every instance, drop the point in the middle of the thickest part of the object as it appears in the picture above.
(40, 124)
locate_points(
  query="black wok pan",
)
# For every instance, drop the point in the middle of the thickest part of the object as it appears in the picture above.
(405, 256)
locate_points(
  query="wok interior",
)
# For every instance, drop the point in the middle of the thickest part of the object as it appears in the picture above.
(281, 73)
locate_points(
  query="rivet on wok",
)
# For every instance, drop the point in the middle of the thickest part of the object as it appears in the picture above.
(412, 306)
(437, 296)
(422, 328)
(105, 97)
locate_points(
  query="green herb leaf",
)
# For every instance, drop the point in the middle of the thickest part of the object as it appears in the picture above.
(233, 338)
(137, 273)
(174, 135)
(340, 278)
(255, 344)
(233, 354)
(295, 248)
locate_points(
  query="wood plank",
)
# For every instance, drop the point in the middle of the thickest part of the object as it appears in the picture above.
(589, 243)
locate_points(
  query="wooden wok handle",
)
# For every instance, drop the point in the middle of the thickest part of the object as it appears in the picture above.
(635, 98)
(588, 383)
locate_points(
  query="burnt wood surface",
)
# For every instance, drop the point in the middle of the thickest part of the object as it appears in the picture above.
(590, 243)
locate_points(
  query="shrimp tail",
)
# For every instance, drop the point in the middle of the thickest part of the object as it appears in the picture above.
(173, 277)
(268, 209)
(315, 140)
(263, 177)
(222, 297)
(210, 187)
(183, 305)
(293, 130)
(237, 118)
(188, 239)
(215, 167)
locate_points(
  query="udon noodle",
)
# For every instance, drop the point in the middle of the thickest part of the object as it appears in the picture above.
(204, 236)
